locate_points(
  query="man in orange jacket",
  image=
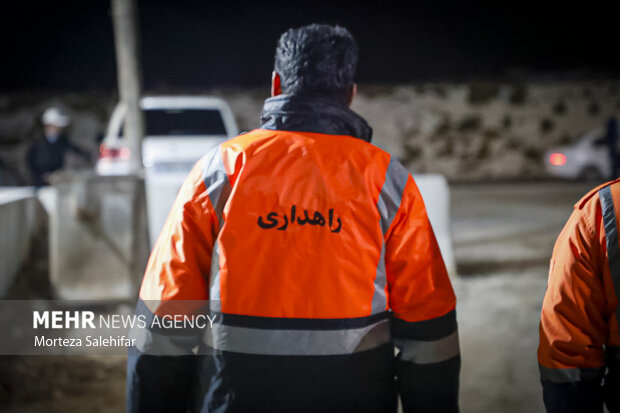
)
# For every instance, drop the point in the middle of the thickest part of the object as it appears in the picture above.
(579, 352)
(318, 250)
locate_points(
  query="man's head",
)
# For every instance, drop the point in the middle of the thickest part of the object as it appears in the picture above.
(316, 60)
(54, 121)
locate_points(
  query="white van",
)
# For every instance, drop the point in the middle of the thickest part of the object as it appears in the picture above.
(179, 130)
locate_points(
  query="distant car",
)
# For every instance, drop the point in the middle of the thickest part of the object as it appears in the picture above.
(179, 130)
(587, 159)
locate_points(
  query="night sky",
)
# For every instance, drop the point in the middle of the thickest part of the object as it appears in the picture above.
(197, 45)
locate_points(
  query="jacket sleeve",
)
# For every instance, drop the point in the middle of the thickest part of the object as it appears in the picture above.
(573, 327)
(423, 305)
(31, 158)
(78, 150)
(178, 269)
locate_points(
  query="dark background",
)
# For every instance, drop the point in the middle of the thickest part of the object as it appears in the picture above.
(197, 45)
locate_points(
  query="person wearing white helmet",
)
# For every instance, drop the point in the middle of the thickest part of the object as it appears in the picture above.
(47, 153)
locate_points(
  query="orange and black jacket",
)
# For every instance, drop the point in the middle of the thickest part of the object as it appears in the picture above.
(579, 352)
(317, 248)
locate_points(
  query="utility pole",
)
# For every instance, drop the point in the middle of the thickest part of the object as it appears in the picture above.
(126, 40)
(125, 18)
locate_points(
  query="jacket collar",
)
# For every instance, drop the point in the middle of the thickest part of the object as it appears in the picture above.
(313, 114)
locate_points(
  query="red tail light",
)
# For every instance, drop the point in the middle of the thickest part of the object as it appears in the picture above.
(105, 152)
(557, 159)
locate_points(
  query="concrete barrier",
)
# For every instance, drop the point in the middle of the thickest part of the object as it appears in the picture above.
(98, 245)
(436, 194)
(17, 220)
(47, 198)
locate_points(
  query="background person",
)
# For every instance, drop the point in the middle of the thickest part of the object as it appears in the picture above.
(47, 153)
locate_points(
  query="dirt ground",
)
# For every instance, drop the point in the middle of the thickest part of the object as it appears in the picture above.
(503, 235)
(55, 384)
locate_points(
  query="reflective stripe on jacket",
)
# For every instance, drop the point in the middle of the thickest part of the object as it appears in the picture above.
(318, 249)
(579, 337)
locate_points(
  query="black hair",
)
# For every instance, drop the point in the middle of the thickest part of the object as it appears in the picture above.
(317, 60)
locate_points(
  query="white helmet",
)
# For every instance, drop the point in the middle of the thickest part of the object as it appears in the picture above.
(55, 116)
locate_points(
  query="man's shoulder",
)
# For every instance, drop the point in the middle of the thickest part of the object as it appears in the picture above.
(245, 139)
(258, 136)
(590, 197)
(253, 134)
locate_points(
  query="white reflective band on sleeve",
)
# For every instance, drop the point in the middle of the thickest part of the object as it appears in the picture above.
(214, 279)
(396, 178)
(379, 297)
(218, 190)
(427, 352)
(391, 194)
(611, 235)
(216, 181)
(570, 375)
